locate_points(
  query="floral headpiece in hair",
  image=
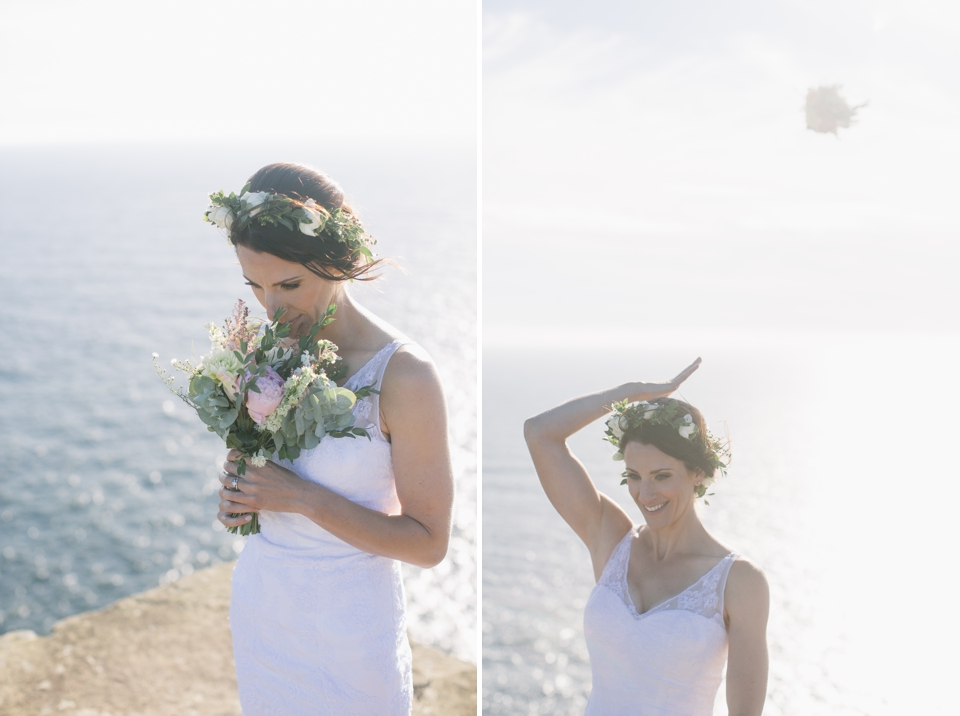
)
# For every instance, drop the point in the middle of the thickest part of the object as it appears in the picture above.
(229, 211)
(628, 416)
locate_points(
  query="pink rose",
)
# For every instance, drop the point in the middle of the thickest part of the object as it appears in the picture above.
(261, 404)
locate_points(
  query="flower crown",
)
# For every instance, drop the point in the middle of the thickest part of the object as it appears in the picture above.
(230, 211)
(628, 416)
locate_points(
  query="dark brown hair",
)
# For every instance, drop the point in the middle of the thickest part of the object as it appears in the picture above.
(693, 451)
(327, 258)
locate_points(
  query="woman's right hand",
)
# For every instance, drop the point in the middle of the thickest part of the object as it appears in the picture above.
(650, 391)
(231, 514)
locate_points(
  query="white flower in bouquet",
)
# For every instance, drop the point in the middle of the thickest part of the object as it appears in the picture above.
(225, 368)
(218, 338)
(278, 354)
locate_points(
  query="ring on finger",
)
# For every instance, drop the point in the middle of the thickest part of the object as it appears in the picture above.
(236, 481)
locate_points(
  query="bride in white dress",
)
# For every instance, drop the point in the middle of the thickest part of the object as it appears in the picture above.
(317, 605)
(671, 604)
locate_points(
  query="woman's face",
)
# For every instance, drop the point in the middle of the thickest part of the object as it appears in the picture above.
(277, 283)
(661, 485)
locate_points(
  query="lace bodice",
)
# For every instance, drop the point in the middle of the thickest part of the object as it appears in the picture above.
(366, 412)
(668, 660)
(318, 625)
(703, 597)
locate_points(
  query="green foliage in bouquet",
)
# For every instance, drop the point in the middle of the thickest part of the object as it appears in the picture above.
(266, 394)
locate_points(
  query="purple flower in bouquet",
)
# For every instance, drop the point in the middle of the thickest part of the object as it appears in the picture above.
(269, 394)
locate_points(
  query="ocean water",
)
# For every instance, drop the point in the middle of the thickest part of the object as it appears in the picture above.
(842, 487)
(107, 482)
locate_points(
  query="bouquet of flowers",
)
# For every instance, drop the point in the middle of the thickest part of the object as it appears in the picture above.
(264, 392)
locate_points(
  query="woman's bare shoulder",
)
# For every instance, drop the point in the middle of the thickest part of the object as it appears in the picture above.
(747, 589)
(411, 392)
(411, 366)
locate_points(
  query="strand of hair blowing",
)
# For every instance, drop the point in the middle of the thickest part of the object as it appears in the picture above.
(325, 257)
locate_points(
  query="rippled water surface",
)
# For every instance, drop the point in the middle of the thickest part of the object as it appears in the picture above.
(107, 485)
(842, 488)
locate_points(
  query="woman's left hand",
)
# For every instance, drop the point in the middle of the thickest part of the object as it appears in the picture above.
(271, 487)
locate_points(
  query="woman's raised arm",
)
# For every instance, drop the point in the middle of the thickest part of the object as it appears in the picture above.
(593, 516)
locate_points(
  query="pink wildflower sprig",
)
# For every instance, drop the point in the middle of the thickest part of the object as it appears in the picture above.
(240, 330)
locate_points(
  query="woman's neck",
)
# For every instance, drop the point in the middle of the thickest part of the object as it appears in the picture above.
(683, 536)
(346, 321)
(353, 327)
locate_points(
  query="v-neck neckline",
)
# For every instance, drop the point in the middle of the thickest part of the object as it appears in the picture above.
(631, 535)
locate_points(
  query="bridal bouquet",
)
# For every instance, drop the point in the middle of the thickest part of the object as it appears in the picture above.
(264, 392)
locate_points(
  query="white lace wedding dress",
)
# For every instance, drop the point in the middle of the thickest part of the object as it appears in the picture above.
(318, 625)
(667, 661)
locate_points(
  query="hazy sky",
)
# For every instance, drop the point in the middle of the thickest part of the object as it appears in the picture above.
(647, 164)
(188, 70)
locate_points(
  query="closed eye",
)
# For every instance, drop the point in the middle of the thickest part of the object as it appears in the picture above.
(630, 474)
(284, 286)
(662, 476)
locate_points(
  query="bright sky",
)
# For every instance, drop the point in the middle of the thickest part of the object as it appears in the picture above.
(658, 150)
(198, 70)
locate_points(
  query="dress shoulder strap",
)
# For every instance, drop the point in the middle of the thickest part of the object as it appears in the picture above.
(722, 581)
(706, 596)
(383, 357)
(368, 409)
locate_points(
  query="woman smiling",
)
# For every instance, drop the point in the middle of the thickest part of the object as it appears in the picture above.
(671, 601)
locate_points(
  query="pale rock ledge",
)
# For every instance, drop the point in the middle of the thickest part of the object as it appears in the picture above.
(167, 652)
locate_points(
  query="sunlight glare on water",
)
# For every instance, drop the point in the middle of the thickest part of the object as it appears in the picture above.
(108, 483)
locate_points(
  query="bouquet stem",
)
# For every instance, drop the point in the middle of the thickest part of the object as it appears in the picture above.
(247, 528)
(253, 526)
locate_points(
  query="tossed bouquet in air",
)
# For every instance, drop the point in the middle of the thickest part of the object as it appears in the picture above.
(264, 392)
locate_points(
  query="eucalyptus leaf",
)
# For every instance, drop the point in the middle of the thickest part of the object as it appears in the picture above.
(227, 420)
(345, 400)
